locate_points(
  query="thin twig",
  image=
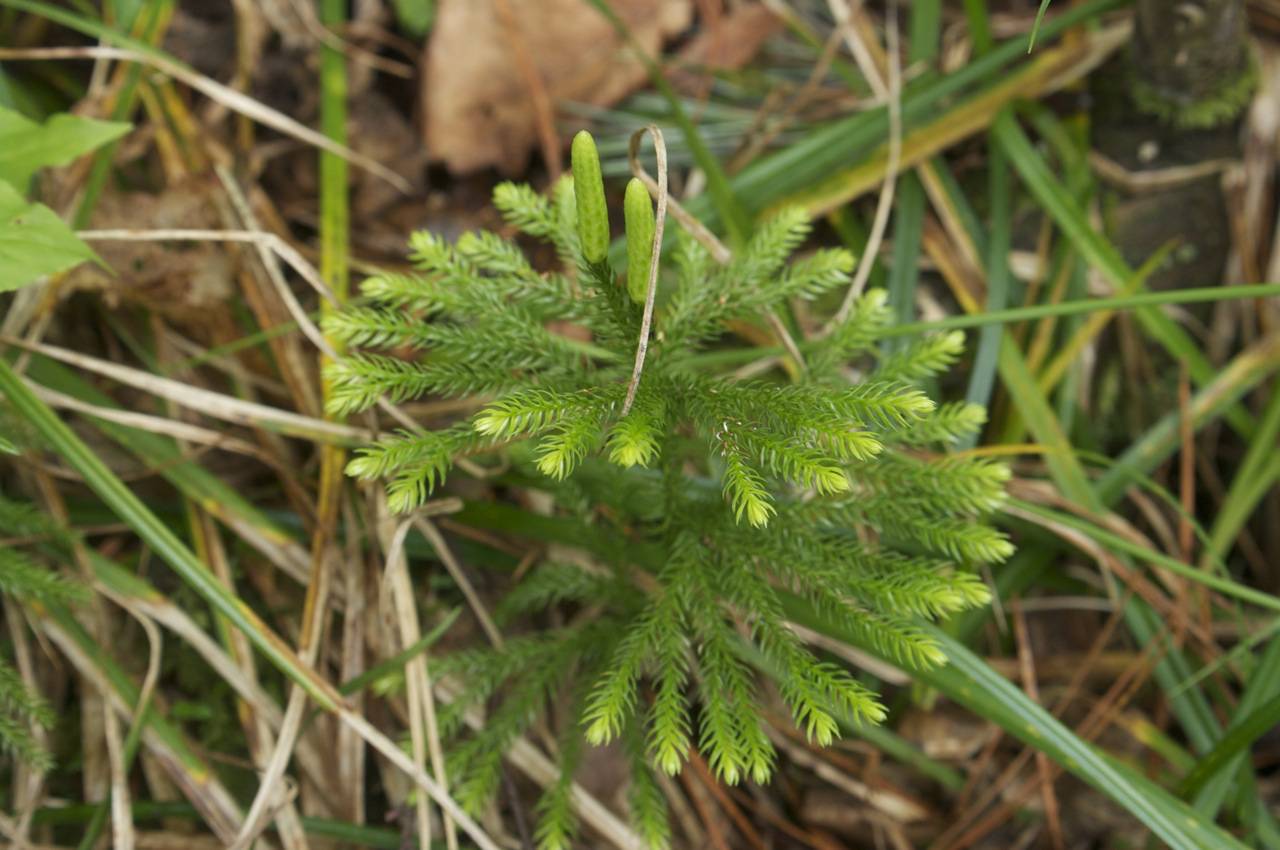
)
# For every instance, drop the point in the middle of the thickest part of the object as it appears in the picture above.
(784, 336)
(268, 251)
(309, 642)
(228, 97)
(219, 406)
(642, 347)
(271, 241)
(175, 428)
(351, 757)
(122, 832)
(1026, 664)
(702, 235)
(254, 718)
(695, 228)
(217, 806)
(433, 536)
(883, 206)
(268, 279)
(862, 53)
(418, 692)
(121, 816)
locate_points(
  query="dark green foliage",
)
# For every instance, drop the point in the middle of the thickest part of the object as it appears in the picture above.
(25, 577)
(724, 491)
(19, 708)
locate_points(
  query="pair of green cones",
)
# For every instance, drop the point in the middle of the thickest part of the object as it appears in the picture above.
(593, 216)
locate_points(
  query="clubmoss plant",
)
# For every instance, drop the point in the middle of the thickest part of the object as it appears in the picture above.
(705, 502)
(25, 576)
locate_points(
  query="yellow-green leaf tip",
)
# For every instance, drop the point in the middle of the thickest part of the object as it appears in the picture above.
(599, 732)
(588, 191)
(669, 760)
(637, 212)
(626, 451)
(756, 510)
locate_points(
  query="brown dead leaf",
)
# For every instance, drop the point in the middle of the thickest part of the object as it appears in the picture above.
(477, 105)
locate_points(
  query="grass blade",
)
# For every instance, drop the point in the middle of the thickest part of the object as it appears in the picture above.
(830, 148)
(156, 534)
(904, 269)
(1104, 256)
(982, 375)
(1238, 739)
(971, 682)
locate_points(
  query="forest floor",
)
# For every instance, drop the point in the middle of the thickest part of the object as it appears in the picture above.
(280, 152)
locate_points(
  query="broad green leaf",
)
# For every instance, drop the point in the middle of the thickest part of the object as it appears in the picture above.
(27, 146)
(34, 242)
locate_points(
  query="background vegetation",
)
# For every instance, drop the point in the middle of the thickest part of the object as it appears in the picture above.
(213, 636)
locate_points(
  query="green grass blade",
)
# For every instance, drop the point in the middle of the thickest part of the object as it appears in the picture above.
(1259, 469)
(122, 501)
(957, 198)
(982, 375)
(1119, 543)
(1035, 27)
(979, 25)
(1240, 376)
(926, 30)
(971, 682)
(397, 662)
(1189, 705)
(1075, 307)
(334, 214)
(1210, 780)
(1083, 306)
(1238, 739)
(1040, 418)
(807, 161)
(163, 455)
(904, 269)
(1101, 254)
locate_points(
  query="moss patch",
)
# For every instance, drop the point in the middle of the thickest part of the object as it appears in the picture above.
(1215, 110)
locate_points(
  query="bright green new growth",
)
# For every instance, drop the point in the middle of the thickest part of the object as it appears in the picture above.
(700, 508)
(637, 212)
(588, 190)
